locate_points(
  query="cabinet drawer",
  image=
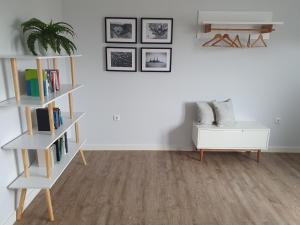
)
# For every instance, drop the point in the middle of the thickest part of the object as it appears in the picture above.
(233, 139)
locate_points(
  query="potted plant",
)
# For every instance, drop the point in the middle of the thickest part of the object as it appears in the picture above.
(50, 37)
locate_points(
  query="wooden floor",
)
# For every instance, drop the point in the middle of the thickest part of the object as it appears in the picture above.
(174, 188)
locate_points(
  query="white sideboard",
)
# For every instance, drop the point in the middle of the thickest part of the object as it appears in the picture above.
(243, 135)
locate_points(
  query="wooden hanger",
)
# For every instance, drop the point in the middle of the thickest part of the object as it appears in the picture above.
(225, 38)
(260, 38)
(237, 41)
(216, 37)
(249, 41)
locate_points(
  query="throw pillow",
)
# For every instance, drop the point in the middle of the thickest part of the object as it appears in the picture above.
(224, 112)
(205, 113)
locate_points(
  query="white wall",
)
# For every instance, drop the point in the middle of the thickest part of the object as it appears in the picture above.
(156, 108)
(12, 12)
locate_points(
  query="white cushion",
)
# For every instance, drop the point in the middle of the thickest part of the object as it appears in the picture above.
(224, 112)
(205, 113)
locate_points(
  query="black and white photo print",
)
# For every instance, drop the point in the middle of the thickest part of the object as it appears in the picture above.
(120, 30)
(156, 59)
(121, 59)
(157, 30)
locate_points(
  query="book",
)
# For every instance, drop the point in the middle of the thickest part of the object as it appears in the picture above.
(43, 118)
(41, 160)
(53, 80)
(66, 142)
(58, 152)
(28, 88)
(32, 86)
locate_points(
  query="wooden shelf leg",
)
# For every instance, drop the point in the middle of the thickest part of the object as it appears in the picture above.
(28, 119)
(258, 155)
(72, 68)
(71, 105)
(48, 163)
(49, 204)
(83, 157)
(201, 154)
(54, 63)
(40, 79)
(77, 141)
(77, 133)
(14, 70)
(21, 204)
(51, 118)
(25, 162)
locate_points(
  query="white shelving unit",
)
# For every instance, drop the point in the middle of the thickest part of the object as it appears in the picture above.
(34, 176)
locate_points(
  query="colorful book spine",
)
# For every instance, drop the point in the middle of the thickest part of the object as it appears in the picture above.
(66, 142)
(32, 87)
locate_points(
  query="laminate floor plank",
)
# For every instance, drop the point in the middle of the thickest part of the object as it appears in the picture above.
(173, 188)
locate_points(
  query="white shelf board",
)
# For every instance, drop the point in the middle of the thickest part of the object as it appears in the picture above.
(42, 140)
(38, 178)
(33, 57)
(36, 102)
(242, 22)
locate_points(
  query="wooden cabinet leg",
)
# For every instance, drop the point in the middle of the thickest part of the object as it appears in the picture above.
(21, 204)
(49, 205)
(258, 155)
(201, 154)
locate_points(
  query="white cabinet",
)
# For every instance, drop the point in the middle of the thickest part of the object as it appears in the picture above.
(248, 135)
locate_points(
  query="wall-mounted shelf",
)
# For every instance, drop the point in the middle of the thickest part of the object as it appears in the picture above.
(34, 176)
(241, 22)
(38, 180)
(235, 29)
(260, 26)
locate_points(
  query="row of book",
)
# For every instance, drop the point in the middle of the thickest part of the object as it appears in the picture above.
(57, 152)
(51, 82)
(42, 116)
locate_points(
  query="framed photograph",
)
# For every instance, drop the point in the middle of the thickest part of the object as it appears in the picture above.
(120, 59)
(120, 30)
(156, 59)
(157, 30)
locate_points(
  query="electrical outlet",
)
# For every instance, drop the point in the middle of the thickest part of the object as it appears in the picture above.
(277, 120)
(116, 117)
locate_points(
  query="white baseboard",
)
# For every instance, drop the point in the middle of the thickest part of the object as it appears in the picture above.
(285, 149)
(31, 194)
(95, 147)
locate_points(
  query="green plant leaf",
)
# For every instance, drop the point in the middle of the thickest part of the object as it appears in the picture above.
(32, 38)
(33, 24)
(49, 35)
